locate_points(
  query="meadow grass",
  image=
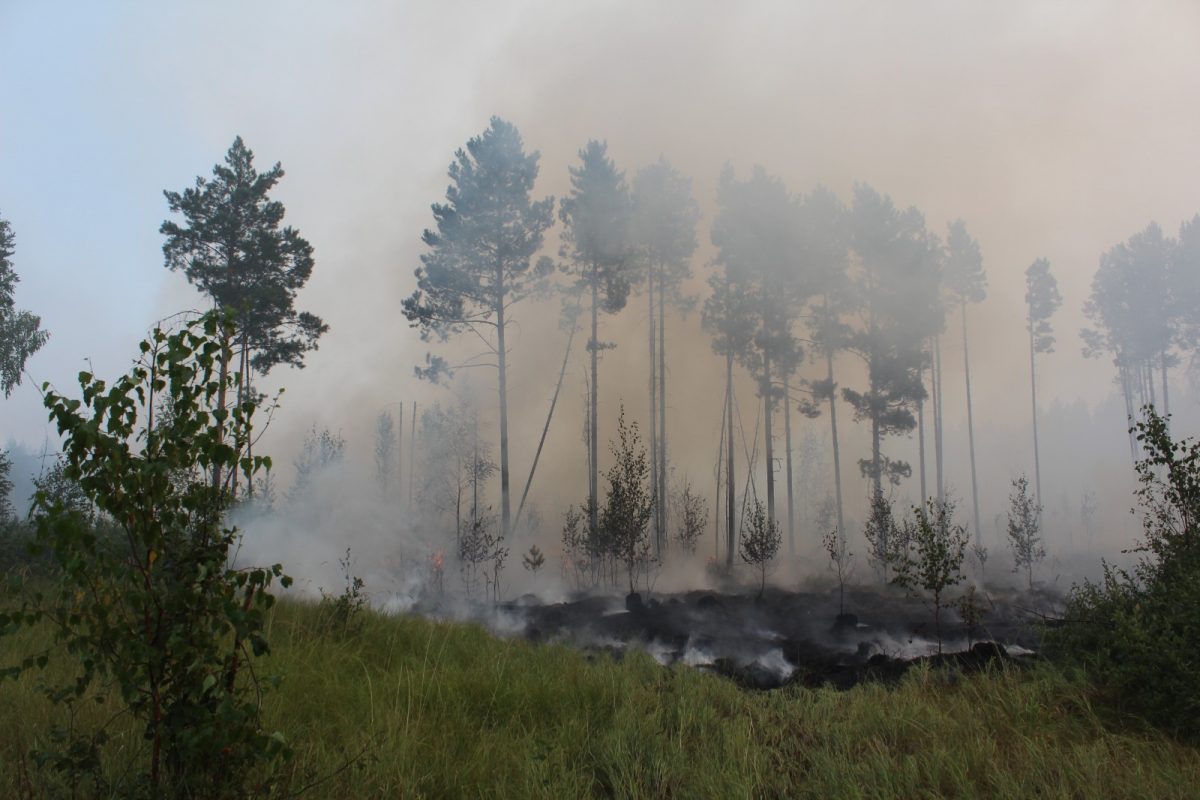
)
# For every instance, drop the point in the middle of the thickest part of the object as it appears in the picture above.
(407, 707)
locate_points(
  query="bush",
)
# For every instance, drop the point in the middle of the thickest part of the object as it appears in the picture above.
(1137, 632)
(147, 603)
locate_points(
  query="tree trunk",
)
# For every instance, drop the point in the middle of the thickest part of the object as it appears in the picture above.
(921, 432)
(545, 428)
(970, 426)
(658, 500)
(1127, 391)
(1166, 403)
(787, 432)
(938, 415)
(594, 398)
(412, 453)
(663, 472)
(876, 460)
(768, 408)
(505, 501)
(400, 452)
(837, 457)
(730, 488)
(1037, 461)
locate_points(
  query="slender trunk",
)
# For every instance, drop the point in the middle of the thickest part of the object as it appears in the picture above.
(1166, 402)
(921, 430)
(545, 428)
(241, 398)
(1127, 391)
(837, 457)
(505, 501)
(720, 475)
(1037, 461)
(1150, 384)
(938, 417)
(400, 452)
(412, 452)
(730, 489)
(658, 499)
(876, 461)
(970, 425)
(768, 409)
(663, 472)
(594, 400)
(787, 432)
(221, 404)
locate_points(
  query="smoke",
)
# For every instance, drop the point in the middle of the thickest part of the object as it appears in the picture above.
(1054, 130)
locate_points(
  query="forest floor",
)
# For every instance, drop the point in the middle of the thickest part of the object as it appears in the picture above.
(403, 706)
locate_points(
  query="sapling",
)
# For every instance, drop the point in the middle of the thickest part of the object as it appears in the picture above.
(885, 539)
(760, 543)
(692, 513)
(533, 560)
(841, 561)
(932, 559)
(1024, 530)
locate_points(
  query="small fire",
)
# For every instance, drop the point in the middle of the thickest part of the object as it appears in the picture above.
(438, 560)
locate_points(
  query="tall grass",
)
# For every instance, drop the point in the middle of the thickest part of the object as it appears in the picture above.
(406, 707)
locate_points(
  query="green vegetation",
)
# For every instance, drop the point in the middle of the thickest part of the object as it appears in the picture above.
(413, 708)
(1135, 632)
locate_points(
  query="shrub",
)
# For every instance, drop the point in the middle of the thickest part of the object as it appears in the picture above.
(932, 561)
(760, 543)
(154, 609)
(1137, 632)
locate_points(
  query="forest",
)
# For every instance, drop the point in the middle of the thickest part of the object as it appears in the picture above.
(576, 459)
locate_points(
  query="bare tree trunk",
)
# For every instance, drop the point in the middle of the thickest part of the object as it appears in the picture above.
(921, 433)
(412, 453)
(505, 500)
(939, 414)
(400, 451)
(658, 500)
(720, 467)
(787, 432)
(1037, 461)
(970, 426)
(663, 472)
(545, 428)
(1166, 401)
(768, 409)
(730, 488)
(1127, 391)
(837, 457)
(594, 401)
(876, 460)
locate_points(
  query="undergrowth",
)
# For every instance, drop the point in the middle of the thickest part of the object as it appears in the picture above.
(408, 707)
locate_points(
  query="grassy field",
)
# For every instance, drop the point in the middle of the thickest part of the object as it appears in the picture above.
(406, 707)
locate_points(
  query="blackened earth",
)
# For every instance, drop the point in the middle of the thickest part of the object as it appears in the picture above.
(792, 637)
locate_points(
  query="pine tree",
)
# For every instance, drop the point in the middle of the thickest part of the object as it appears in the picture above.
(895, 287)
(664, 231)
(232, 247)
(479, 262)
(755, 232)
(597, 242)
(966, 282)
(1041, 301)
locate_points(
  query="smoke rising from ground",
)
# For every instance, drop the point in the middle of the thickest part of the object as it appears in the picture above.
(1053, 130)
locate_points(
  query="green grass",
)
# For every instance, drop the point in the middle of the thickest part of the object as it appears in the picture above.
(411, 708)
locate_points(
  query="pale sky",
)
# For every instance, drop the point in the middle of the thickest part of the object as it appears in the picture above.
(1053, 129)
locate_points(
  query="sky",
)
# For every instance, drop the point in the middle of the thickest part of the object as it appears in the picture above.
(1053, 129)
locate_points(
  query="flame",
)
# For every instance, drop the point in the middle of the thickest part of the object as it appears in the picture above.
(438, 560)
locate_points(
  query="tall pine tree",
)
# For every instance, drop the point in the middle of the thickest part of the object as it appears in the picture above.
(480, 259)
(597, 242)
